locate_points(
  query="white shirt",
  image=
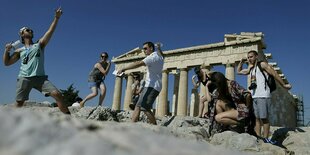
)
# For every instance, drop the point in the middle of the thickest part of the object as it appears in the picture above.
(260, 91)
(154, 64)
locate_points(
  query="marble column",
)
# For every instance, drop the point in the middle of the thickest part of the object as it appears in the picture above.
(175, 94)
(194, 106)
(117, 94)
(182, 98)
(128, 93)
(230, 71)
(163, 96)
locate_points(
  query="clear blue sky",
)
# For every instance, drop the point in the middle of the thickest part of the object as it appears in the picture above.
(89, 27)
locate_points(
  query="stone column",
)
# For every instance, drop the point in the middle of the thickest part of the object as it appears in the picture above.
(194, 107)
(230, 71)
(128, 93)
(175, 94)
(182, 98)
(117, 93)
(163, 96)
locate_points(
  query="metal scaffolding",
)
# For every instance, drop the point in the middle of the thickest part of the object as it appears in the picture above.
(300, 110)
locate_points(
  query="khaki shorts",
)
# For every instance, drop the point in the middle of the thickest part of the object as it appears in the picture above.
(40, 83)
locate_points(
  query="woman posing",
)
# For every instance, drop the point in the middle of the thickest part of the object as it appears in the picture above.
(96, 79)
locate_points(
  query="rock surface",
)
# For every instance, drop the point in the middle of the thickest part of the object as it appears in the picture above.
(37, 130)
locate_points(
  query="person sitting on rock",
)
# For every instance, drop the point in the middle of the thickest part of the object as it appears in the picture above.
(233, 103)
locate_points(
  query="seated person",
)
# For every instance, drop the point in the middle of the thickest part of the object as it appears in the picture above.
(233, 103)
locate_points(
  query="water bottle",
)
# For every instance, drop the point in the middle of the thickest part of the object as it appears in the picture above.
(16, 44)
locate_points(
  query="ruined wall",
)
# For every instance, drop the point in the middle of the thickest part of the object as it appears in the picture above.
(283, 108)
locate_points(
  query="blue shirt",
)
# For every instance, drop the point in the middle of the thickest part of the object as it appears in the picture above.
(35, 63)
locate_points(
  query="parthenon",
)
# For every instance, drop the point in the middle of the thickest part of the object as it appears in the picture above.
(178, 62)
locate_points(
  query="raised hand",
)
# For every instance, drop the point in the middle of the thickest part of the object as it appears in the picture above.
(58, 12)
(8, 47)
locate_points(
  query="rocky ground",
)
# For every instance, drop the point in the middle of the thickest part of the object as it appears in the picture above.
(37, 129)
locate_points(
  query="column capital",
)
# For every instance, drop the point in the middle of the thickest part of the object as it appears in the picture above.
(229, 64)
(183, 69)
(165, 71)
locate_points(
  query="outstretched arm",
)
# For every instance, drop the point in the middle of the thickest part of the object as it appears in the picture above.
(7, 58)
(272, 72)
(131, 66)
(47, 36)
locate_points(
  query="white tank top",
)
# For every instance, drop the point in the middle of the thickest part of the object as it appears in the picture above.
(261, 91)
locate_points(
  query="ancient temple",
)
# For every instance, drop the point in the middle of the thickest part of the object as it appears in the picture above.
(178, 63)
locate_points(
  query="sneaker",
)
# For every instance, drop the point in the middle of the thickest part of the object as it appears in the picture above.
(267, 140)
(132, 106)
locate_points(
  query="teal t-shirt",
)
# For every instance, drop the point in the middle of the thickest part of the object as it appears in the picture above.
(35, 64)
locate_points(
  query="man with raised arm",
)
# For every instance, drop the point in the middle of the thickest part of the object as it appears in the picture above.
(32, 74)
(260, 90)
(154, 62)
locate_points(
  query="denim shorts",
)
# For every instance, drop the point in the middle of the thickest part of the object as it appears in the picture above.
(95, 84)
(40, 83)
(147, 98)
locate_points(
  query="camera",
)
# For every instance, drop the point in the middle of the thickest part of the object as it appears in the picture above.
(25, 60)
(253, 86)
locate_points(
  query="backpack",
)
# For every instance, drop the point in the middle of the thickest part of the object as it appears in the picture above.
(270, 81)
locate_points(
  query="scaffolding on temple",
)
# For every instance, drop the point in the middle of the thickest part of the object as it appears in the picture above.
(300, 110)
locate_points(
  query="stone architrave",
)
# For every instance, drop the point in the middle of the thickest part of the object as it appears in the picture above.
(182, 98)
(163, 96)
(117, 94)
(128, 94)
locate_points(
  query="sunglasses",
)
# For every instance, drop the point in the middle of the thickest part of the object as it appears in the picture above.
(28, 30)
(103, 56)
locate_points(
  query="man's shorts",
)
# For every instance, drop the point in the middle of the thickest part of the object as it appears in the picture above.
(261, 106)
(147, 98)
(25, 84)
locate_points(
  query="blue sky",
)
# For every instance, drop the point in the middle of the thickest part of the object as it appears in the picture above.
(90, 27)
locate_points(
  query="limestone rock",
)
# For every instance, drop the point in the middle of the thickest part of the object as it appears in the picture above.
(36, 130)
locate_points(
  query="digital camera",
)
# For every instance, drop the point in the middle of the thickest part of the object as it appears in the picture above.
(253, 86)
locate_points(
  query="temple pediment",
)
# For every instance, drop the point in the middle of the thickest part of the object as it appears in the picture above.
(135, 53)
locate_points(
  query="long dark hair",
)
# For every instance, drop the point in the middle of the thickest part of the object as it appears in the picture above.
(222, 87)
